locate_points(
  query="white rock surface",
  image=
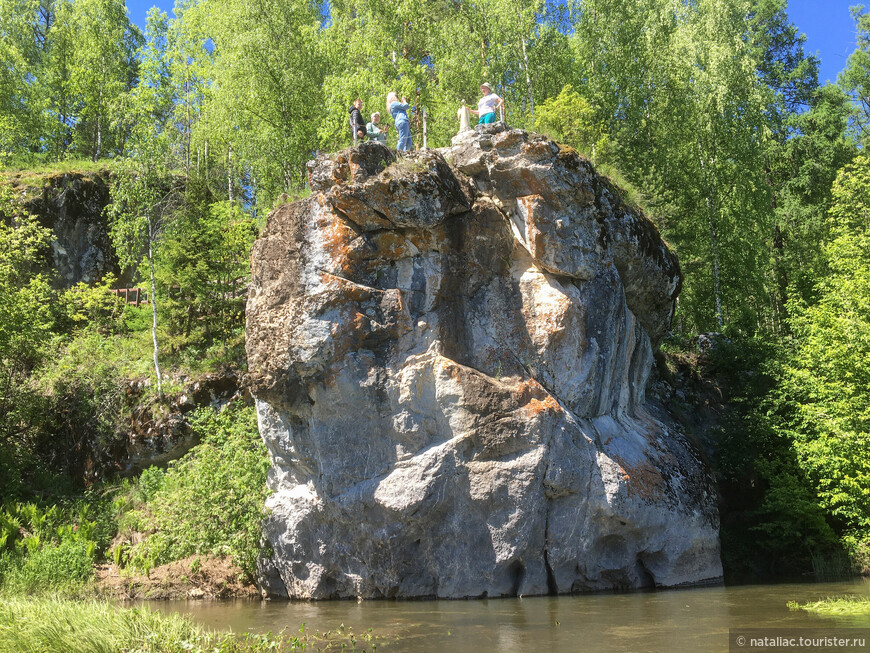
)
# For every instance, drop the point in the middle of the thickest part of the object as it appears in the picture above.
(449, 353)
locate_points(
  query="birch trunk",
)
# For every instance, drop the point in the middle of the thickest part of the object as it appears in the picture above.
(712, 208)
(154, 308)
(528, 79)
(230, 172)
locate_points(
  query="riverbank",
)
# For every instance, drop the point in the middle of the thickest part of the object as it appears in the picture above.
(194, 577)
(55, 625)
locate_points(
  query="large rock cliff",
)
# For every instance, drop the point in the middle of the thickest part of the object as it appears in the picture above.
(449, 353)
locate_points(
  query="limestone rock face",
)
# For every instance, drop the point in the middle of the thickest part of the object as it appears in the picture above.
(72, 206)
(449, 352)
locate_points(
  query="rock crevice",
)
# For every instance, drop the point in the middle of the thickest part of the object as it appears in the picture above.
(449, 352)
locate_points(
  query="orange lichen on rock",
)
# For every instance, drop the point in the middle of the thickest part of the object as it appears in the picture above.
(533, 397)
(391, 246)
(427, 240)
(337, 238)
(528, 389)
(548, 405)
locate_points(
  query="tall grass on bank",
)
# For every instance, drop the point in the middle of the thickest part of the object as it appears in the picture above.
(835, 606)
(54, 625)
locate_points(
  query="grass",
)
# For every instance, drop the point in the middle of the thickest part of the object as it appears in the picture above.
(404, 166)
(35, 175)
(835, 606)
(53, 625)
(626, 191)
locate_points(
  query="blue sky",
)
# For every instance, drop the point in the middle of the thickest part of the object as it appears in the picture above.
(830, 32)
(828, 25)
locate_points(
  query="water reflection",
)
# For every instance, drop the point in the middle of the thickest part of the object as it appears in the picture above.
(678, 620)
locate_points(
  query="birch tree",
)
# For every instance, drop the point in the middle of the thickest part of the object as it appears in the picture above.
(145, 197)
(103, 69)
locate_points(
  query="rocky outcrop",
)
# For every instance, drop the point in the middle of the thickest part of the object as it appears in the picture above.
(159, 431)
(72, 206)
(142, 430)
(449, 353)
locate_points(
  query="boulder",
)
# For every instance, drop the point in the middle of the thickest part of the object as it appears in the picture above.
(449, 352)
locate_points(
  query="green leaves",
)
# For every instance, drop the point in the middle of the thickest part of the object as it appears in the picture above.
(855, 77)
(570, 118)
(27, 316)
(827, 379)
(205, 261)
(211, 501)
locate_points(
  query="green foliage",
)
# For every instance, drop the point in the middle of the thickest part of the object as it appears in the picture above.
(52, 548)
(855, 77)
(103, 69)
(834, 606)
(27, 320)
(54, 625)
(211, 500)
(19, 54)
(570, 119)
(826, 380)
(772, 522)
(66, 66)
(93, 306)
(710, 108)
(64, 567)
(205, 261)
(24, 173)
(803, 169)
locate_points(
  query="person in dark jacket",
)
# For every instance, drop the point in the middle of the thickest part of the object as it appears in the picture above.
(357, 124)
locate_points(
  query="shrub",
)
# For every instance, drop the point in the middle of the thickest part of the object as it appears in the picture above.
(64, 567)
(211, 500)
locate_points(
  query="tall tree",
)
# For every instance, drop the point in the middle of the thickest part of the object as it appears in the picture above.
(263, 104)
(828, 378)
(145, 198)
(104, 68)
(855, 77)
(62, 102)
(676, 86)
(19, 56)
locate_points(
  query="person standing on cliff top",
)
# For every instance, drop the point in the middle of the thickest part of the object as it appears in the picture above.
(487, 105)
(399, 111)
(374, 130)
(357, 124)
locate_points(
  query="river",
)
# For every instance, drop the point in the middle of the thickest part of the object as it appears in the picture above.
(675, 620)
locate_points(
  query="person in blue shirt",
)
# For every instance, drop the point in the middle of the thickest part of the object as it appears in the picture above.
(399, 111)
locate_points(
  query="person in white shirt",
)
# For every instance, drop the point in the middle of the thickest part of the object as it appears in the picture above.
(488, 105)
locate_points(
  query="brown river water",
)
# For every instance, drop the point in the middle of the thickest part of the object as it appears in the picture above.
(676, 620)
